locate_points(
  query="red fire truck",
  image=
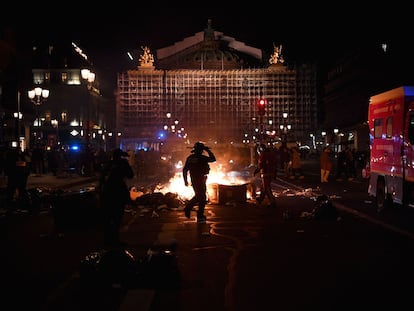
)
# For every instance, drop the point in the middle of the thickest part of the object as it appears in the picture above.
(391, 130)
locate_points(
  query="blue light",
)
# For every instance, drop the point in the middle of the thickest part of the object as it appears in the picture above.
(74, 148)
(161, 135)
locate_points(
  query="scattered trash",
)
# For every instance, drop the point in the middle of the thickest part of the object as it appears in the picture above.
(159, 268)
(334, 196)
(118, 269)
(115, 268)
(306, 215)
(162, 206)
(325, 209)
(134, 193)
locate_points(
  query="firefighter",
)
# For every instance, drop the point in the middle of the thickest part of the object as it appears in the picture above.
(197, 164)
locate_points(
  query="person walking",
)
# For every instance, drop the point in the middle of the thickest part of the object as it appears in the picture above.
(296, 166)
(342, 166)
(267, 166)
(197, 164)
(114, 195)
(325, 163)
(284, 158)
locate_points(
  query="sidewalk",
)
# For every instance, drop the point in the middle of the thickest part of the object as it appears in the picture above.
(48, 181)
(51, 181)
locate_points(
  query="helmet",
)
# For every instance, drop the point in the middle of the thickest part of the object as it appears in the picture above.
(198, 146)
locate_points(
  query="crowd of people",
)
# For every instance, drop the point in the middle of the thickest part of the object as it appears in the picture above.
(345, 164)
(115, 166)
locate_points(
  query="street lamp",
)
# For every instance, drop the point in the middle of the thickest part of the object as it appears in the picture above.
(55, 125)
(89, 77)
(323, 133)
(18, 117)
(285, 127)
(336, 142)
(38, 96)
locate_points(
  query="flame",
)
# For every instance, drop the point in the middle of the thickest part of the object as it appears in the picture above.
(217, 175)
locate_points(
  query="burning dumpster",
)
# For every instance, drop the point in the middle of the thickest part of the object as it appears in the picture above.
(222, 194)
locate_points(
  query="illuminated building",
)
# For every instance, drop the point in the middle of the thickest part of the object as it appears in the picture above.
(210, 83)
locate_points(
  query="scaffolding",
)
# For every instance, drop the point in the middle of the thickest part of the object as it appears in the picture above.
(216, 105)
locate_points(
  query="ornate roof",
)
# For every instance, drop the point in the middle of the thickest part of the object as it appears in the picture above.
(209, 49)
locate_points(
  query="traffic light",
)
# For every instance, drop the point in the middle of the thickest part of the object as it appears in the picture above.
(261, 106)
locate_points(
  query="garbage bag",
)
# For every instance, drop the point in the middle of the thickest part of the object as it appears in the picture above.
(115, 268)
(325, 210)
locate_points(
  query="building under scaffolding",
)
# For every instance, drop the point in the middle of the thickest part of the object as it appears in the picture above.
(203, 93)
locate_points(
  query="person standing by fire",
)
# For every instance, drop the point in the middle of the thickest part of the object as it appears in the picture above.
(267, 166)
(114, 195)
(197, 164)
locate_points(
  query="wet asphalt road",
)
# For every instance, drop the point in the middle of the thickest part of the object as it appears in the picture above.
(247, 257)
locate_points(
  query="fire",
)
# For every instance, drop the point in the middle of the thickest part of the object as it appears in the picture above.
(217, 175)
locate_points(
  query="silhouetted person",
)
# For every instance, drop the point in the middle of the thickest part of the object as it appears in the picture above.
(197, 164)
(17, 171)
(267, 167)
(284, 158)
(37, 161)
(342, 166)
(325, 163)
(296, 166)
(114, 195)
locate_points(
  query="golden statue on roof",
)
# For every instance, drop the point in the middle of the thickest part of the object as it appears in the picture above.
(276, 57)
(146, 59)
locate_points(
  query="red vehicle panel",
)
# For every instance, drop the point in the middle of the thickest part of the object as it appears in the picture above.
(391, 125)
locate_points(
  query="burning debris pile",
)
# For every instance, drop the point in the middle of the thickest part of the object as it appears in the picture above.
(222, 187)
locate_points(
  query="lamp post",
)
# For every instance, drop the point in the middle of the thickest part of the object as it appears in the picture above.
(261, 107)
(38, 96)
(336, 147)
(285, 127)
(18, 116)
(89, 77)
(55, 125)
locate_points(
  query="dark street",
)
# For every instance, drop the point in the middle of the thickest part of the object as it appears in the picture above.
(246, 257)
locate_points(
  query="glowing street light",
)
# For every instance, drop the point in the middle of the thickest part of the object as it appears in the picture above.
(336, 142)
(285, 127)
(89, 77)
(38, 96)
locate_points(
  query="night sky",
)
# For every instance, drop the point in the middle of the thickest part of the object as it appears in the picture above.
(107, 31)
